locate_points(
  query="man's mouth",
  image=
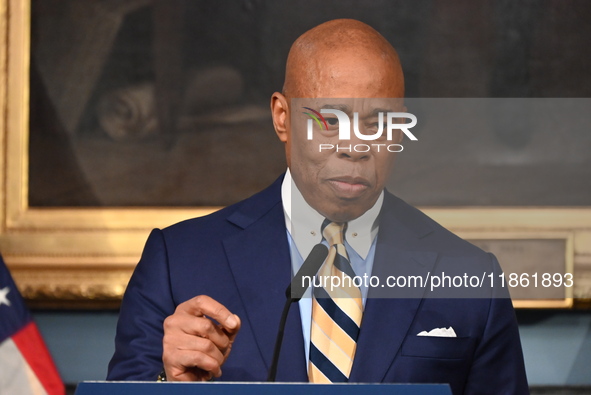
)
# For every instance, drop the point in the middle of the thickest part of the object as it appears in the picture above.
(349, 187)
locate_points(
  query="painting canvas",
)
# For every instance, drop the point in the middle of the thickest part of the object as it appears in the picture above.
(166, 102)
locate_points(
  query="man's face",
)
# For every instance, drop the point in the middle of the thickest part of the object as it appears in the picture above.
(340, 184)
(341, 179)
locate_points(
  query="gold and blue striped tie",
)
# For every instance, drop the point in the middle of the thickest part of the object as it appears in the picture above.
(336, 314)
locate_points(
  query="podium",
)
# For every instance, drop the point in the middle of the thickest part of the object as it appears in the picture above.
(224, 388)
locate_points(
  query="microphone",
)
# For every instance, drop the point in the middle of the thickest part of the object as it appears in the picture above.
(294, 293)
(295, 290)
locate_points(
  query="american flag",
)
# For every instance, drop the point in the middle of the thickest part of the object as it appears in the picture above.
(25, 364)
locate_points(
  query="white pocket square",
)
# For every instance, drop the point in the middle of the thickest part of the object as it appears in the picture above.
(439, 332)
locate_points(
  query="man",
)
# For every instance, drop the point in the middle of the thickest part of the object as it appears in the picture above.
(204, 301)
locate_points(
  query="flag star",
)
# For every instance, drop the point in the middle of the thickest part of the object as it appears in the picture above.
(3, 298)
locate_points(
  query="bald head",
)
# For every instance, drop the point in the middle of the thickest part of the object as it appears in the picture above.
(343, 58)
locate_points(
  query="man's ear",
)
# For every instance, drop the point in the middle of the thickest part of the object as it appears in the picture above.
(280, 113)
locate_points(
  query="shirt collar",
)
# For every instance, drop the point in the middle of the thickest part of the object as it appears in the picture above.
(303, 222)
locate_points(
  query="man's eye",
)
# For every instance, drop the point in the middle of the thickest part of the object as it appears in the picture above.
(376, 126)
(332, 121)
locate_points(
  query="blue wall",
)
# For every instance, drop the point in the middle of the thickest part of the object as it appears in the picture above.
(556, 344)
(81, 343)
(556, 347)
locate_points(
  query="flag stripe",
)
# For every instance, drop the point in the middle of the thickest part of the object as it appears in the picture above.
(31, 345)
(16, 377)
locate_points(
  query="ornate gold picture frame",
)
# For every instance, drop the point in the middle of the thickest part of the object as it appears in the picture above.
(83, 257)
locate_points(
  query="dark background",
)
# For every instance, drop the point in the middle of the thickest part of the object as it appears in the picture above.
(203, 73)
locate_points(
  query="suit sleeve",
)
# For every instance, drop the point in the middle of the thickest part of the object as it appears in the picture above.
(498, 366)
(146, 303)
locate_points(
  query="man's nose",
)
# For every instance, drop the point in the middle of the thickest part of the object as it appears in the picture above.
(353, 150)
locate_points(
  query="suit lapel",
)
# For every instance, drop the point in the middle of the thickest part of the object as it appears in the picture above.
(259, 258)
(387, 320)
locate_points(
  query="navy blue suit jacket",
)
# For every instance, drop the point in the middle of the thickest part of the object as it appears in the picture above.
(240, 257)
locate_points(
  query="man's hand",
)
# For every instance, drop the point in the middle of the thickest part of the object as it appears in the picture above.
(194, 346)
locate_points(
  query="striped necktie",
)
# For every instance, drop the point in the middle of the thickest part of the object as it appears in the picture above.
(336, 314)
